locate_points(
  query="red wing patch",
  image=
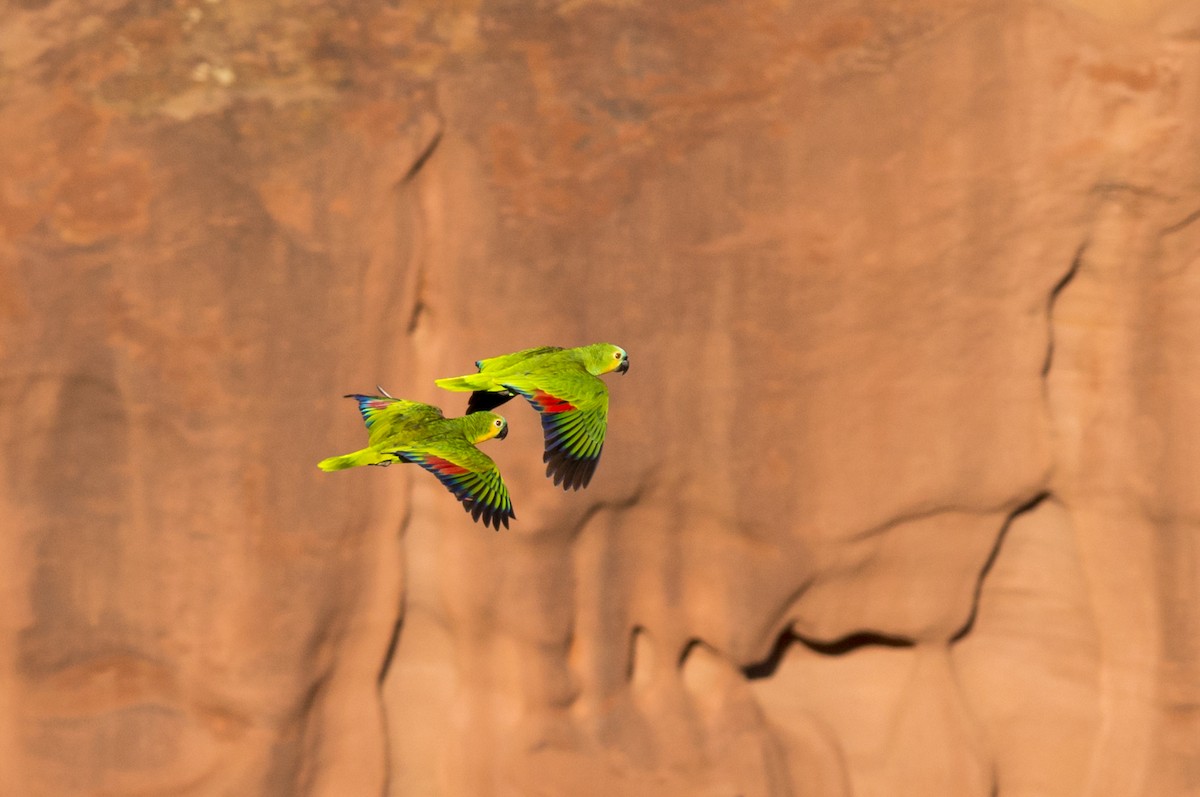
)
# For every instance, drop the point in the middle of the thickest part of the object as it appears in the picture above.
(443, 467)
(547, 403)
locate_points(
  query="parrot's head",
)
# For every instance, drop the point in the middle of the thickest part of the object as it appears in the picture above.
(485, 426)
(605, 357)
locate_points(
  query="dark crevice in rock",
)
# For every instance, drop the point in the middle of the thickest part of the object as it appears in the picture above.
(389, 655)
(1062, 283)
(852, 642)
(837, 647)
(860, 639)
(1186, 221)
(393, 643)
(420, 307)
(414, 319)
(631, 665)
(394, 640)
(1028, 506)
(424, 157)
(687, 650)
(1119, 187)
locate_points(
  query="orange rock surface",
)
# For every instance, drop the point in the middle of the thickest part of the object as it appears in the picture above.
(897, 497)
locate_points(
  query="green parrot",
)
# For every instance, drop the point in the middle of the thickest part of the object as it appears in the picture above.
(408, 431)
(562, 385)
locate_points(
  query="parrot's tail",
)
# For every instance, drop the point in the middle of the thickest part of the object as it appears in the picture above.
(368, 456)
(463, 383)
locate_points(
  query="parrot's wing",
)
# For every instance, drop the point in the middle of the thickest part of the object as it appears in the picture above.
(506, 360)
(489, 398)
(574, 409)
(470, 475)
(393, 412)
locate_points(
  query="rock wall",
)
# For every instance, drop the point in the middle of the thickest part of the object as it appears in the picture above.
(897, 496)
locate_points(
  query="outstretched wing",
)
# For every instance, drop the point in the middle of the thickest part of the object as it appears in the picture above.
(574, 409)
(386, 415)
(504, 361)
(470, 475)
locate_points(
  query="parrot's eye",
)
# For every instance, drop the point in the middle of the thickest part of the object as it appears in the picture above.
(497, 423)
(616, 355)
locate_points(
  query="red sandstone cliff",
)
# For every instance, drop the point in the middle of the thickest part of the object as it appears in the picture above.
(899, 495)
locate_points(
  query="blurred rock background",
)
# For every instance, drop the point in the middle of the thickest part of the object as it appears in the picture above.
(899, 494)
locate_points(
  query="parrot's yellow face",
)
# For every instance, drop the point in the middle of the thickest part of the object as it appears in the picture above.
(497, 427)
(614, 359)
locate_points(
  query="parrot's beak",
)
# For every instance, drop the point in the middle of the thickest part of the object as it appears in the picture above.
(624, 366)
(503, 432)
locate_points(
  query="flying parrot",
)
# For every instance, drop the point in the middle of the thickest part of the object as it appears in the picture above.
(408, 431)
(562, 385)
